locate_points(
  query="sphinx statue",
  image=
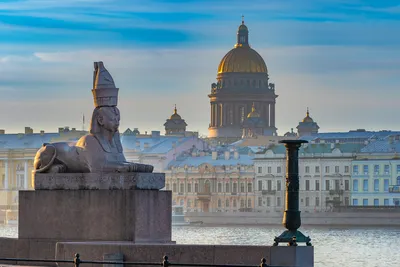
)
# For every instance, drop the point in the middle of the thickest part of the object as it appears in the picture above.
(100, 150)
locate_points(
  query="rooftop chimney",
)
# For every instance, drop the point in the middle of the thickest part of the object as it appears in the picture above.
(28, 130)
(60, 129)
(41, 132)
(155, 134)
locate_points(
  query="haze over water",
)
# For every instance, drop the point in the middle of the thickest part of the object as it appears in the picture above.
(349, 247)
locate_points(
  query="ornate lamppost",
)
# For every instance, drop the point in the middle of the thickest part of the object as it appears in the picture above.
(291, 216)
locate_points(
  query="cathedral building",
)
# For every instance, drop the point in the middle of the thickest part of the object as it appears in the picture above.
(307, 126)
(242, 80)
(175, 125)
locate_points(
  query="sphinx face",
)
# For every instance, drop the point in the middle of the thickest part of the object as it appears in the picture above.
(109, 118)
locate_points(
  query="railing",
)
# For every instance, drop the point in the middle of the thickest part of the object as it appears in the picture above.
(165, 262)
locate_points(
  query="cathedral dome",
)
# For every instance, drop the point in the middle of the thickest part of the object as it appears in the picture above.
(307, 118)
(175, 116)
(242, 58)
(253, 113)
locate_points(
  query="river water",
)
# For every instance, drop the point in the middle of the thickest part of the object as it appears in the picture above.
(333, 247)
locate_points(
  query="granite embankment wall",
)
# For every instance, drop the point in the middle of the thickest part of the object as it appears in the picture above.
(322, 218)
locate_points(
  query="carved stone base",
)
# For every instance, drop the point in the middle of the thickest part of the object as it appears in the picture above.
(139, 216)
(98, 181)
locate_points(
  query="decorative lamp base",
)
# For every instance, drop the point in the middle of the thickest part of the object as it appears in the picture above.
(292, 238)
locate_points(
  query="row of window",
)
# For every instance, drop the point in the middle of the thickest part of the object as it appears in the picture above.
(376, 202)
(207, 188)
(307, 185)
(305, 202)
(221, 204)
(377, 183)
(377, 169)
(307, 169)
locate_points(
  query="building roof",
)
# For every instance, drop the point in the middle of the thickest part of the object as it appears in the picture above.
(220, 161)
(385, 145)
(318, 148)
(357, 134)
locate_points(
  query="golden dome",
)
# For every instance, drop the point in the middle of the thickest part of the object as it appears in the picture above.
(253, 113)
(308, 118)
(175, 116)
(242, 59)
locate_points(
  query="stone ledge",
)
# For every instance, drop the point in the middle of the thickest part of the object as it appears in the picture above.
(99, 181)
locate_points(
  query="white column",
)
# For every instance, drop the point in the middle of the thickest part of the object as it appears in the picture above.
(26, 183)
(6, 174)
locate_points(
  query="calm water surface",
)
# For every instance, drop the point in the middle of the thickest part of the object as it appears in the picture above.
(350, 247)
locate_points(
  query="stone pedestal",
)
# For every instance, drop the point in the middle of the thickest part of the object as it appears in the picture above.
(139, 216)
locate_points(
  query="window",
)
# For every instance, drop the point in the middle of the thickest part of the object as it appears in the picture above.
(337, 185)
(278, 201)
(227, 187)
(327, 187)
(346, 169)
(355, 170)
(386, 169)
(307, 185)
(234, 203)
(174, 188)
(269, 185)
(269, 169)
(307, 201)
(189, 188)
(259, 201)
(219, 203)
(376, 202)
(234, 190)
(182, 188)
(346, 185)
(249, 203)
(167, 186)
(181, 202)
(355, 185)
(316, 185)
(259, 169)
(241, 187)
(307, 169)
(336, 169)
(227, 203)
(259, 185)
(376, 185)
(242, 203)
(386, 185)
(316, 169)
(355, 202)
(195, 203)
(249, 187)
(398, 180)
(365, 185)
(242, 114)
(278, 186)
(189, 203)
(278, 169)
(346, 201)
(386, 202)
(317, 201)
(196, 187)
(268, 201)
(326, 169)
(365, 202)
(398, 168)
(219, 187)
(365, 170)
(376, 170)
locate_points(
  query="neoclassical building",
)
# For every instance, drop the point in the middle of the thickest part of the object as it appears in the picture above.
(242, 80)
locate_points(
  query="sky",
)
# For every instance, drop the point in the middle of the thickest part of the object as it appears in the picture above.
(339, 58)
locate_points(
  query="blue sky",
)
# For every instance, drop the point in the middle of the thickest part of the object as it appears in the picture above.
(340, 58)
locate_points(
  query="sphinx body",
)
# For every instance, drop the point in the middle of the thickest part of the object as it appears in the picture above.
(100, 150)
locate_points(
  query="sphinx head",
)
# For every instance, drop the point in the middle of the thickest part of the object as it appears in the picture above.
(105, 118)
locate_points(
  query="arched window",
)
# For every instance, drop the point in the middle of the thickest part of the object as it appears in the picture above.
(227, 187)
(249, 203)
(234, 190)
(242, 187)
(189, 188)
(249, 187)
(196, 187)
(242, 114)
(219, 187)
(227, 203)
(189, 203)
(234, 203)
(174, 187)
(207, 187)
(182, 188)
(219, 203)
(242, 203)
